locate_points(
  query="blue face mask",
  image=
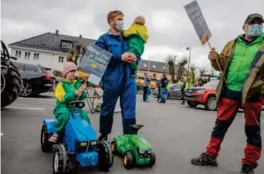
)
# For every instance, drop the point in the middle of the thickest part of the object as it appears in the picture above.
(119, 25)
(254, 30)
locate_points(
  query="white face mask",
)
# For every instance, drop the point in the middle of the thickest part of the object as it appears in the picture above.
(254, 30)
(119, 25)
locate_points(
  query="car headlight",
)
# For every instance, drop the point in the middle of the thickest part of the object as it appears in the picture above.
(199, 91)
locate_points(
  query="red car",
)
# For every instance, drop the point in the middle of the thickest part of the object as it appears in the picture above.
(204, 95)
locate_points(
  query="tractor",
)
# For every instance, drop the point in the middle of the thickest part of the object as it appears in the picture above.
(11, 81)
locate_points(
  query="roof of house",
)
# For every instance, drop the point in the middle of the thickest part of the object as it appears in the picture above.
(154, 66)
(52, 42)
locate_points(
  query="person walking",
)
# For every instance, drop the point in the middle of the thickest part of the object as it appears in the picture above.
(163, 91)
(146, 87)
(184, 86)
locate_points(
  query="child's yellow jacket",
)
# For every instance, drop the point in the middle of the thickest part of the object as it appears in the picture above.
(141, 30)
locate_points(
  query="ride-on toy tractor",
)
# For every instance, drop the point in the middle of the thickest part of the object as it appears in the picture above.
(135, 150)
(11, 80)
(78, 147)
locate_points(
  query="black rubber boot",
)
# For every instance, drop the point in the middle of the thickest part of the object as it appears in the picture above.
(247, 169)
(204, 160)
(102, 137)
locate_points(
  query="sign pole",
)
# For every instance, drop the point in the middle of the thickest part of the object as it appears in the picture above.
(202, 30)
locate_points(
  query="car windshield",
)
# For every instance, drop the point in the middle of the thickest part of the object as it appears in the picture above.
(211, 84)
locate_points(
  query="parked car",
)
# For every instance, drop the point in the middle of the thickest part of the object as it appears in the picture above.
(36, 79)
(174, 91)
(205, 95)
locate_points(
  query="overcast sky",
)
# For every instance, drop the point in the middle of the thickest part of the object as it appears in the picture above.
(169, 27)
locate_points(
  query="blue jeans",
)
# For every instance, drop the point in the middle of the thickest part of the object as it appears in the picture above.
(145, 93)
(163, 96)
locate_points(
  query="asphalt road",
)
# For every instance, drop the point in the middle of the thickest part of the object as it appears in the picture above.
(176, 132)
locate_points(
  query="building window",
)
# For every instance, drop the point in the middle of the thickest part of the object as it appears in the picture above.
(154, 66)
(164, 67)
(18, 54)
(36, 56)
(66, 44)
(27, 55)
(145, 65)
(61, 59)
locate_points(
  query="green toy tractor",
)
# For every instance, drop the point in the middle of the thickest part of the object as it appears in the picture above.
(135, 150)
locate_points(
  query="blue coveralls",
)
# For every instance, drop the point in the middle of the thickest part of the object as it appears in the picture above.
(118, 81)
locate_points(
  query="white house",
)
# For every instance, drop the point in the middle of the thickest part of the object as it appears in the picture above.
(49, 49)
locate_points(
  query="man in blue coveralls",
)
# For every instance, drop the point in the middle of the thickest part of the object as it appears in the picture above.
(119, 79)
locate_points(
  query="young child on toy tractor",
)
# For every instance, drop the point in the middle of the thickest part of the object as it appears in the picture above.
(67, 91)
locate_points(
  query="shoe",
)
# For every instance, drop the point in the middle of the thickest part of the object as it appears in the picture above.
(247, 169)
(204, 160)
(54, 138)
(102, 137)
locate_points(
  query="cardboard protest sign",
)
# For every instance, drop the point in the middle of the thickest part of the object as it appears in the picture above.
(195, 14)
(94, 62)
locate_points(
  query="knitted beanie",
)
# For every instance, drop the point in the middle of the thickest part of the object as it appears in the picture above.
(69, 66)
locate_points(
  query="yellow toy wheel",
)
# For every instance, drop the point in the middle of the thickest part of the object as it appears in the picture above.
(113, 147)
(128, 160)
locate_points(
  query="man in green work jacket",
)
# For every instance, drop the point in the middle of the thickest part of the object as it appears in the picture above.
(242, 64)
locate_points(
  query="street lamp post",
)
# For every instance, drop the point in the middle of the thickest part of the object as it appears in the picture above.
(148, 63)
(189, 48)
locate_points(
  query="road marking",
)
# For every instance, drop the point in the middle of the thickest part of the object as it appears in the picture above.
(41, 99)
(26, 108)
(2, 134)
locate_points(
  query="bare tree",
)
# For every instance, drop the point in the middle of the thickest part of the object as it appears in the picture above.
(171, 60)
(202, 71)
(76, 53)
(181, 65)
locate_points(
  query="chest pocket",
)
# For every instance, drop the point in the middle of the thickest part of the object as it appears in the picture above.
(114, 48)
(114, 45)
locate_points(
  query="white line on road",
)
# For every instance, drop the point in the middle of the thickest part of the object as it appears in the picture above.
(26, 108)
(2, 134)
(41, 99)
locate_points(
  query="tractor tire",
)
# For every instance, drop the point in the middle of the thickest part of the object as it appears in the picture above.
(106, 158)
(128, 160)
(46, 146)
(152, 159)
(60, 156)
(11, 87)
